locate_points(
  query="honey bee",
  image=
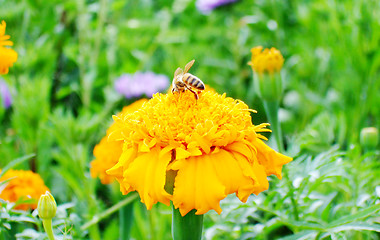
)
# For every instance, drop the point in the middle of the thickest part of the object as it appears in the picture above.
(185, 81)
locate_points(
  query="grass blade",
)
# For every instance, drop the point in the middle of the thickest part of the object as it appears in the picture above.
(16, 162)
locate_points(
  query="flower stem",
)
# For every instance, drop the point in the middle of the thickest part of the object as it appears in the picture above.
(125, 221)
(188, 227)
(271, 108)
(48, 228)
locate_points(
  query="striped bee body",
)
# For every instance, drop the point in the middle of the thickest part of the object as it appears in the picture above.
(193, 81)
(185, 81)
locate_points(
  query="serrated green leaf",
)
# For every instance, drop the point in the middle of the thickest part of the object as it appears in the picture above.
(356, 216)
(303, 225)
(327, 206)
(22, 219)
(357, 226)
(7, 226)
(309, 234)
(338, 236)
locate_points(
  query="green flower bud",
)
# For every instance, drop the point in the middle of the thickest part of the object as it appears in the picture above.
(268, 86)
(369, 137)
(47, 207)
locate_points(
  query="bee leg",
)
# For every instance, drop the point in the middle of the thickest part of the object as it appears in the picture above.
(175, 90)
(195, 94)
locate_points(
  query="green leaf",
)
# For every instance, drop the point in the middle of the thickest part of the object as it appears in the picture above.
(308, 234)
(100, 216)
(16, 162)
(303, 225)
(22, 219)
(357, 226)
(356, 216)
(327, 206)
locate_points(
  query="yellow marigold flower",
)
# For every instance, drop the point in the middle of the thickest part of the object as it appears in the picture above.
(7, 56)
(22, 185)
(107, 153)
(269, 60)
(211, 143)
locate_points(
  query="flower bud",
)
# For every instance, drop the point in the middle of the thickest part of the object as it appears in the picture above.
(369, 137)
(266, 60)
(268, 86)
(47, 207)
(266, 65)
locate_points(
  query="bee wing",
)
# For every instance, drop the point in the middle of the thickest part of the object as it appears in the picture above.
(178, 72)
(189, 65)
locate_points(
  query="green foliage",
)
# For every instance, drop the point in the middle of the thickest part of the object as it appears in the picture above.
(331, 201)
(71, 52)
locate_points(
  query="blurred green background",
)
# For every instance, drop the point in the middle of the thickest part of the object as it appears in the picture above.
(71, 53)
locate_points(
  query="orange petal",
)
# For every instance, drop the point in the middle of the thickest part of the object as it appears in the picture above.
(147, 175)
(128, 155)
(194, 151)
(182, 153)
(7, 58)
(270, 159)
(230, 172)
(143, 147)
(115, 132)
(261, 177)
(197, 186)
(6, 43)
(253, 170)
(241, 148)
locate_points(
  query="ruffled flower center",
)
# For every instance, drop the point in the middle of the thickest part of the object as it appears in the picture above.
(180, 120)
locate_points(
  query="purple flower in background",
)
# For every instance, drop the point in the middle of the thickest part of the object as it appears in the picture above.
(206, 6)
(5, 94)
(140, 83)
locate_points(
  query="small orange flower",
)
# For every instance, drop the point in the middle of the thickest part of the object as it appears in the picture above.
(7, 56)
(210, 143)
(107, 153)
(22, 185)
(269, 60)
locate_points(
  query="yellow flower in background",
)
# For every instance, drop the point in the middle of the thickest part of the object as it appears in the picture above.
(23, 185)
(210, 143)
(7, 55)
(107, 153)
(269, 60)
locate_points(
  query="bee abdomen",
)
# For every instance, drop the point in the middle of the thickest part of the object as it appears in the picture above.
(194, 82)
(200, 85)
